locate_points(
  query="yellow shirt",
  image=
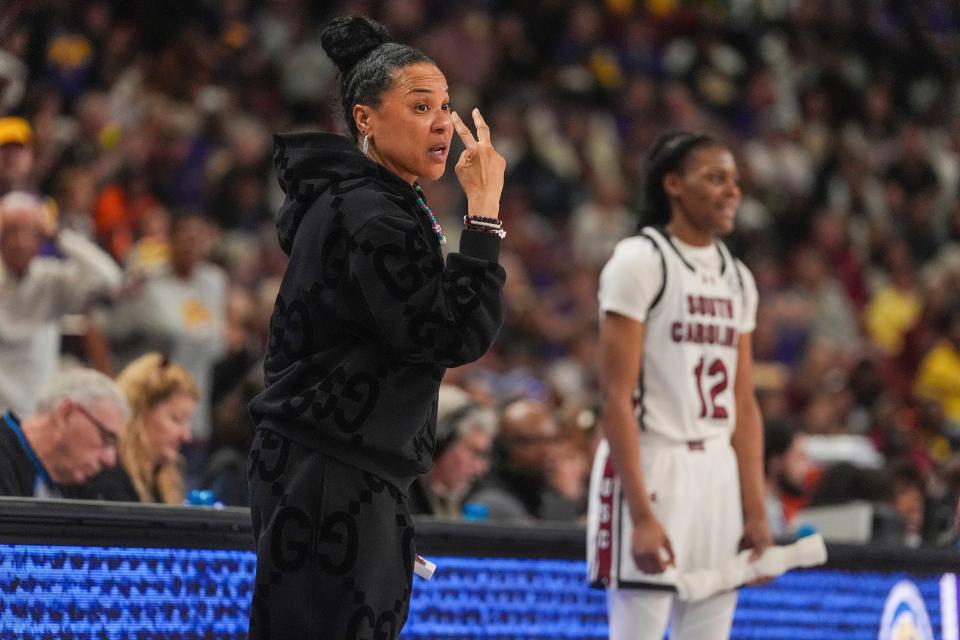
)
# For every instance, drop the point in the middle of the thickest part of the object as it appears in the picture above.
(890, 314)
(939, 379)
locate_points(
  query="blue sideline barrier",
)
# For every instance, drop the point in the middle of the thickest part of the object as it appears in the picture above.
(95, 570)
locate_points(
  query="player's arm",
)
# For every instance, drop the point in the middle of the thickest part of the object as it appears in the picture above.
(621, 352)
(748, 443)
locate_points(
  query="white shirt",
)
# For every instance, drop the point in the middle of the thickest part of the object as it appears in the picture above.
(30, 310)
(695, 303)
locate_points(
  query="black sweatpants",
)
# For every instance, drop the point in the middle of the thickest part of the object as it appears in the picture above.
(335, 547)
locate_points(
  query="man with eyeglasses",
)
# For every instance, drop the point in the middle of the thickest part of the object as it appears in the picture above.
(518, 486)
(72, 436)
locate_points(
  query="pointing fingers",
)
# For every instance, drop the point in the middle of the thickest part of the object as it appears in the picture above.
(463, 131)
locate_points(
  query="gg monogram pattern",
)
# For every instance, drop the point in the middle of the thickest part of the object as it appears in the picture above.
(368, 318)
(335, 547)
(369, 313)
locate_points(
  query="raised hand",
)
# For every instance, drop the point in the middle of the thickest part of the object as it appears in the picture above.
(480, 168)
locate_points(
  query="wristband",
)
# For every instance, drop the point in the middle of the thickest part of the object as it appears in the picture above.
(480, 220)
(486, 225)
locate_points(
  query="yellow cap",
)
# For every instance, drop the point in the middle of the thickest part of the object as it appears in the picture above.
(14, 130)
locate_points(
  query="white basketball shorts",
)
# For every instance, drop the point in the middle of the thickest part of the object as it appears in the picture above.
(694, 489)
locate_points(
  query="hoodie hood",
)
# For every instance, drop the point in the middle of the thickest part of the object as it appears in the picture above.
(308, 164)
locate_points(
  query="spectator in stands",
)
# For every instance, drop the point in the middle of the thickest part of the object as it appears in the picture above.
(517, 488)
(909, 499)
(180, 311)
(911, 173)
(36, 291)
(785, 466)
(244, 346)
(946, 507)
(830, 233)
(225, 473)
(162, 397)
(939, 375)
(569, 472)
(150, 254)
(71, 437)
(897, 304)
(74, 194)
(831, 312)
(16, 154)
(465, 432)
(237, 379)
(598, 223)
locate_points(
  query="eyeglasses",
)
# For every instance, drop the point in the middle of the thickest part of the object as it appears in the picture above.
(108, 437)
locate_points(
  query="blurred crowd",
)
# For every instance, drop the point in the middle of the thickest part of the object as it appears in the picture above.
(144, 129)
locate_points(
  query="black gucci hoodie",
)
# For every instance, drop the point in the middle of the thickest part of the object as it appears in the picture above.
(368, 316)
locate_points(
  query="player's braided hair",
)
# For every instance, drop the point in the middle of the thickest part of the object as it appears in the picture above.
(667, 155)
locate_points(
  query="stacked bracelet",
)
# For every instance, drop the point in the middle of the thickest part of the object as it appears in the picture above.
(485, 225)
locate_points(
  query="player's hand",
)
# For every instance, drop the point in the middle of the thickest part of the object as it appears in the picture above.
(756, 536)
(650, 546)
(480, 168)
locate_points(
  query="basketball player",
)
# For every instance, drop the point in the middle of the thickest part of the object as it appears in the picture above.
(677, 485)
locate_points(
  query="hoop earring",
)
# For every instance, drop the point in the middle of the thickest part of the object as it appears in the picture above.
(365, 147)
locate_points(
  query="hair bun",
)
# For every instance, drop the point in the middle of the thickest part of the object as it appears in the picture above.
(348, 39)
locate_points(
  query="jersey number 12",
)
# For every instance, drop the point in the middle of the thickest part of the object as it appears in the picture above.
(716, 371)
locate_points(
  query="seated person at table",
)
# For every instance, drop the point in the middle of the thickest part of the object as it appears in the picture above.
(465, 431)
(70, 438)
(163, 398)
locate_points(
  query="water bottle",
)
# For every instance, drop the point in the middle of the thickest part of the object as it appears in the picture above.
(475, 511)
(200, 498)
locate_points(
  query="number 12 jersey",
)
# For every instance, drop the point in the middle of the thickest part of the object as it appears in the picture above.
(695, 302)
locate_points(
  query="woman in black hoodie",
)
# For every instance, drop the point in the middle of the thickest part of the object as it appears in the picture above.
(367, 320)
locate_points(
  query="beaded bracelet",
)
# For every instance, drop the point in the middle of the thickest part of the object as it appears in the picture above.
(477, 221)
(485, 225)
(494, 221)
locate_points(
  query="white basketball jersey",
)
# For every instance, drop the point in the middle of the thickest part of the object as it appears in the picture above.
(686, 387)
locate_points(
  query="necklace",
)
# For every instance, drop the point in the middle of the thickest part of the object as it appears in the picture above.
(429, 213)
